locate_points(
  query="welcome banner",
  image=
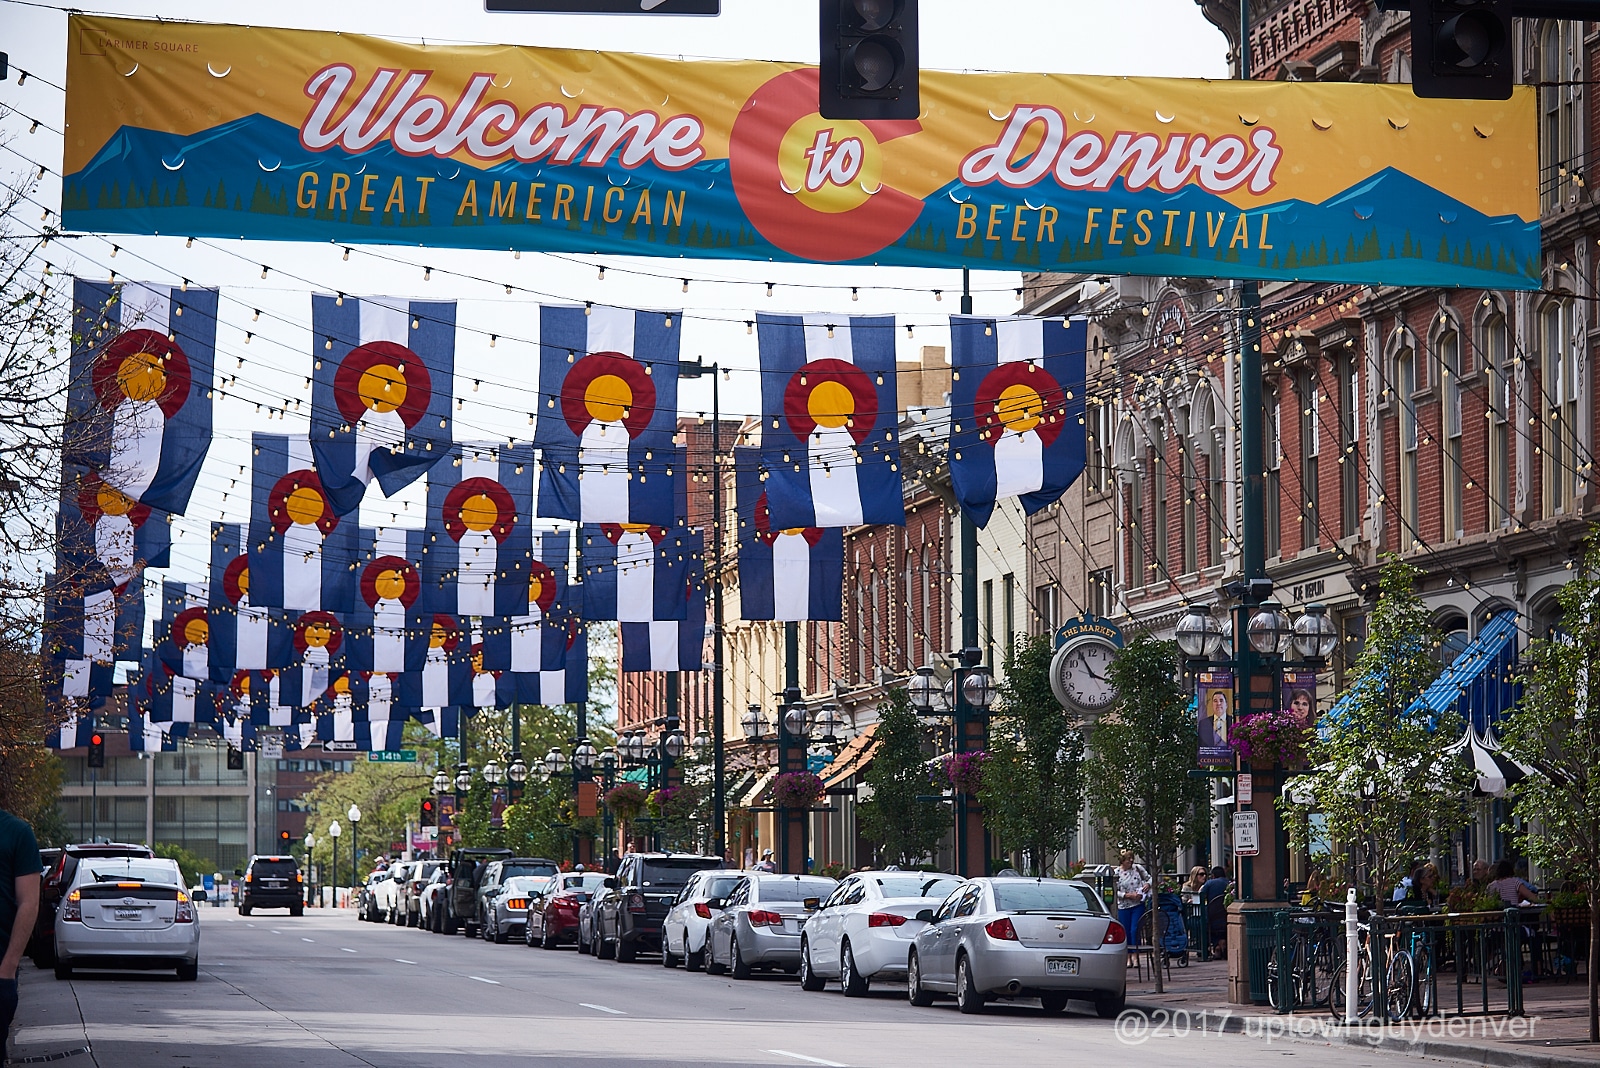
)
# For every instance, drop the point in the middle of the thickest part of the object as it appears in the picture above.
(236, 131)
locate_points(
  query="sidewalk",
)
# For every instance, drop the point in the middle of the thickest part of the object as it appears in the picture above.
(1554, 1033)
(49, 1027)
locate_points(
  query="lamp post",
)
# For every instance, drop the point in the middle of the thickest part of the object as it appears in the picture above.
(608, 782)
(966, 698)
(334, 830)
(355, 854)
(311, 840)
(517, 774)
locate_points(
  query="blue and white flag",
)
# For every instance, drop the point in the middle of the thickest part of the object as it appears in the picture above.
(671, 644)
(176, 699)
(830, 420)
(446, 673)
(243, 636)
(561, 686)
(187, 650)
(139, 404)
(633, 575)
(534, 639)
(239, 734)
(784, 574)
(80, 640)
(302, 552)
(147, 736)
(609, 382)
(388, 629)
(380, 394)
(1016, 411)
(319, 650)
(479, 539)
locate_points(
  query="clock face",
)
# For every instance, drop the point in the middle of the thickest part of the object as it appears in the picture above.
(1082, 675)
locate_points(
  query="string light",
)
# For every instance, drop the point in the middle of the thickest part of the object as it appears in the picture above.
(602, 274)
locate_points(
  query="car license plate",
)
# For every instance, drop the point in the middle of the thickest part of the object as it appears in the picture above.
(1061, 966)
(130, 914)
(275, 884)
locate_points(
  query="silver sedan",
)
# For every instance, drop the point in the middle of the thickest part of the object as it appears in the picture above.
(127, 912)
(1051, 939)
(759, 926)
(508, 910)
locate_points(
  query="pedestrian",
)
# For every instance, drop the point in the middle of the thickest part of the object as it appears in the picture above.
(1214, 895)
(766, 863)
(1424, 890)
(19, 907)
(1513, 890)
(1133, 889)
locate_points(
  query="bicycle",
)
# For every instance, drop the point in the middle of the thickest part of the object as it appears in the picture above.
(1311, 965)
(1399, 982)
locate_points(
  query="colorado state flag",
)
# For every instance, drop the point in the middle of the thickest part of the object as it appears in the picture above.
(672, 644)
(786, 574)
(830, 420)
(139, 404)
(568, 685)
(446, 670)
(479, 542)
(380, 394)
(302, 553)
(388, 631)
(187, 650)
(608, 383)
(535, 639)
(319, 649)
(1016, 410)
(242, 636)
(633, 573)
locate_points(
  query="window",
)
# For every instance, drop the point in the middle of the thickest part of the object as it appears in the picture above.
(875, 635)
(1455, 474)
(1558, 143)
(926, 563)
(1496, 359)
(900, 621)
(861, 621)
(1100, 592)
(1158, 482)
(1559, 402)
(1406, 375)
(1044, 609)
(1310, 444)
(1101, 413)
(1349, 438)
(1189, 518)
(1008, 607)
(1273, 452)
(988, 621)
(1136, 531)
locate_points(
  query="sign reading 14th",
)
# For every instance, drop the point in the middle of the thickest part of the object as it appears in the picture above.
(610, 7)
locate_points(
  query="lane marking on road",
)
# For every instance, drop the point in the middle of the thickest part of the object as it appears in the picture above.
(402, 960)
(344, 950)
(249, 925)
(481, 979)
(308, 939)
(808, 1060)
(601, 1008)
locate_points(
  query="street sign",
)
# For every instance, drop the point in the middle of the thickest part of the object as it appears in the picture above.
(1246, 833)
(272, 747)
(392, 756)
(1244, 789)
(609, 7)
(339, 747)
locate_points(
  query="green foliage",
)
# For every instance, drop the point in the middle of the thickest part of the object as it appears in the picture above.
(1032, 791)
(1380, 777)
(902, 829)
(192, 866)
(532, 827)
(1140, 790)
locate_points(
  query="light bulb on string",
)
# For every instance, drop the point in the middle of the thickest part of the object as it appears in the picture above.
(602, 274)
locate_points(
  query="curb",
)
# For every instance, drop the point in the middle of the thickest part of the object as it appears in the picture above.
(1489, 1055)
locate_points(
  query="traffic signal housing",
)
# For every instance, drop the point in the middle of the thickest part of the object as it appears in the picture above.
(97, 750)
(1461, 49)
(283, 840)
(430, 812)
(235, 759)
(869, 60)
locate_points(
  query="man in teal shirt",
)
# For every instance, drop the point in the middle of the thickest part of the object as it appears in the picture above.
(19, 906)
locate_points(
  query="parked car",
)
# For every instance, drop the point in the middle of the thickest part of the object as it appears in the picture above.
(498, 873)
(386, 892)
(588, 941)
(272, 882)
(628, 916)
(864, 928)
(683, 932)
(553, 910)
(467, 867)
(366, 901)
(60, 865)
(506, 910)
(430, 903)
(1051, 939)
(408, 894)
(760, 923)
(127, 913)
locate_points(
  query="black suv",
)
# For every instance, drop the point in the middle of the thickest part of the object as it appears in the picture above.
(629, 912)
(272, 883)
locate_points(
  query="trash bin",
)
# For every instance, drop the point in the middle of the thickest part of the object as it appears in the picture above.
(1261, 940)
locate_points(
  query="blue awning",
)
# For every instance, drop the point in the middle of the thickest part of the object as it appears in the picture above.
(1479, 684)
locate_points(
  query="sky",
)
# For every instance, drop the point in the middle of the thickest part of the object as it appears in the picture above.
(1133, 37)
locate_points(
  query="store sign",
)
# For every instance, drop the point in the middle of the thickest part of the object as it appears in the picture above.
(234, 131)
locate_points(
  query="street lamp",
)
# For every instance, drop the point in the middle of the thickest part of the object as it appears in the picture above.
(334, 831)
(1269, 630)
(702, 743)
(797, 720)
(828, 723)
(1199, 633)
(753, 723)
(441, 782)
(673, 745)
(355, 854)
(493, 774)
(463, 779)
(922, 689)
(584, 756)
(517, 770)
(555, 762)
(978, 688)
(1315, 636)
(311, 840)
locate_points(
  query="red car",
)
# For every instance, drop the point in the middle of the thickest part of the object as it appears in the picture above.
(553, 912)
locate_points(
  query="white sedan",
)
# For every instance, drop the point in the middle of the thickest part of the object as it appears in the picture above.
(683, 932)
(865, 928)
(127, 912)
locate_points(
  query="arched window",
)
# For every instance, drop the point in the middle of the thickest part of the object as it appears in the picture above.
(1406, 385)
(1558, 141)
(860, 620)
(1455, 474)
(902, 618)
(1496, 359)
(925, 607)
(1559, 406)
(1272, 451)
(1189, 492)
(875, 634)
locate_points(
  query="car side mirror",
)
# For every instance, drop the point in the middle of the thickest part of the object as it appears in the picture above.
(926, 915)
(238, 871)
(716, 903)
(610, 883)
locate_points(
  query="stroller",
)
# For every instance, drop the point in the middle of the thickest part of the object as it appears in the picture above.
(1174, 928)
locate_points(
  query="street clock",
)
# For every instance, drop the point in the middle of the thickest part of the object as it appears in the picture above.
(1080, 672)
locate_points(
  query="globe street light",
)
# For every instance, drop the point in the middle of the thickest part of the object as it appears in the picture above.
(555, 761)
(1199, 634)
(334, 830)
(673, 745)
(355, 854)
(753, 723)
(978, 688)
(828, 723)
(493, 774)
(311, 840)
(463, 779)
(797, 720)
(441, 782)
(1315, 636)
(702, 743)
(1269, 629)
(921, 689)
(584, 756)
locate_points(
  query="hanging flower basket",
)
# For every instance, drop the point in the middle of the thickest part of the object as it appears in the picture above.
(796, 789)
(674, 802)
(626, 801)
(1271, 739)
(964, 771)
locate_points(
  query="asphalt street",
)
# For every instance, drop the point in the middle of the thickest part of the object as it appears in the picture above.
(324, 990)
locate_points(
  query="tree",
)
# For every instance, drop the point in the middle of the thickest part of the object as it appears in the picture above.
(902, 828)
(1032, 790)
(1556, 728)
(1381, 777)
(194, 867)
(1140, 789)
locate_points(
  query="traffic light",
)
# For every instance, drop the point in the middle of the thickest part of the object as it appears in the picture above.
(97, 750)
(235, 759)
(1461, 49)
(430, 815)
(283, 840)
(868, 63)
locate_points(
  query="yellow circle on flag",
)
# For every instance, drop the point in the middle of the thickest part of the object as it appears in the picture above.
(390, 584)
(437, 636)
(831, 404)
(113, 501)
(382, 387)
(304, 505)
(607, 397)
(1020, 407)
(479, 512)
(196, 632)
(318, 634)
(141, 378)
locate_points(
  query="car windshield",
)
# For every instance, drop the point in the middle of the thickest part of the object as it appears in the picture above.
(917, 886)
(721, 886)
(426, 870)
(524, 884)
(589, 880)
(1045, 897)
(128, 869)
(795, 889)
(276, 869)
(673, 873)
(510, 871)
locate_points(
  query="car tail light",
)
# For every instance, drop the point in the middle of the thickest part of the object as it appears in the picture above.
(185, 911)
(1001, 930)
(702, 910)
(299, 878)
(250, 878)
(763, 918)
(885, 919)
(73, 910)
(416, 887)
(1115, 935)
(635, 902)
(517, 903)
(565, 902)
